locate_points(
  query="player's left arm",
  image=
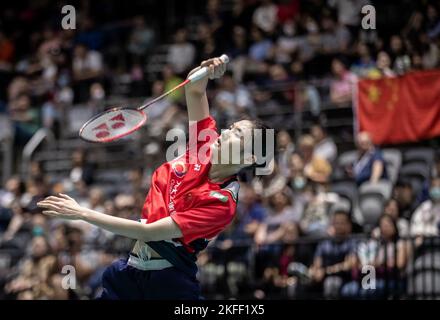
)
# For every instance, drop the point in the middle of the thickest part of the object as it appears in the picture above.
(65, 207)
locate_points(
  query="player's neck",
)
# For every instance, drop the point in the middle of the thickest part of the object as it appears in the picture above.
(219, 172)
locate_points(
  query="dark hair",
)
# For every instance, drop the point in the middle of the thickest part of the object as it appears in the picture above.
(393, 222)
(403, 182)
(249, 172)
(343, 212)
(259, 125)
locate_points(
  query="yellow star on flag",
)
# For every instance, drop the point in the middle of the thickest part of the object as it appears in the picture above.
(373, 94)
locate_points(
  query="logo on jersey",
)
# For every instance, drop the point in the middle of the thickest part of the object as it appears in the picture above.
(179, 168)
(219, 196)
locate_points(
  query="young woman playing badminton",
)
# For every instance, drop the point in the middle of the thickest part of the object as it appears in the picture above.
(188, 203)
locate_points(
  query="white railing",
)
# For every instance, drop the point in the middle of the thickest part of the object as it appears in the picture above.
(32, 145)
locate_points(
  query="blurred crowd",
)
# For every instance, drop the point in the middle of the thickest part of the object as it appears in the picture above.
(284, 54)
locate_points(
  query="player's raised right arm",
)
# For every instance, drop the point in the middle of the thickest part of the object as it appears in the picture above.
(195, 92)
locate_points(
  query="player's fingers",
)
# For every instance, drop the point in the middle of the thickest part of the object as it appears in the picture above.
(211, 72)
(48, 205)
(222, 69)
(50, 213)
(53, 198)
(65, 196)
(206, 63)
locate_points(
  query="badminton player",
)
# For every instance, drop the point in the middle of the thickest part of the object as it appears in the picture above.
(189, 202)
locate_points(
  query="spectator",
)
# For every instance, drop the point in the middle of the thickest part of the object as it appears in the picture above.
(11, 212)
(13, 191)
(26, 119)
(316, 218)
(298, 180)
(164, 112)
(287, 43)
(384, 64)
(334, 37)
(279, 82)
(87, 66)
(426, 219)
(265, 16)
(370, 164)
(315, 168)
(89, 35)
(84, 260)
(82, 170)
(325, 148)
(52, 116)
(15, 218)
(285, 149)
(430, 54)
(406, 200)
(389, 256)
(171, 80)
(141, 40)
(342, 86)
(433, 24)
(270, 184)
(250, 213)
(232, 101)
(37, 188)
(276, 278)
(34, 271)
(348, 13)
(365, 66)
(284, 211)
(288, 11)
(181, 53)
(261, 46)
(335, 258)
(391, 209)
(402, 62)
(238, 52)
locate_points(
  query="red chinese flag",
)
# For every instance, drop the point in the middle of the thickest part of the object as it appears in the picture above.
(401, 109)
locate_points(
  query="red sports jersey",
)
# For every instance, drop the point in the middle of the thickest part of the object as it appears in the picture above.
(181, 189)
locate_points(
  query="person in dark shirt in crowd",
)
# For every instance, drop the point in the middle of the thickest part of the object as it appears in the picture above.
(335, 257)
(370, 165)
(404, 194)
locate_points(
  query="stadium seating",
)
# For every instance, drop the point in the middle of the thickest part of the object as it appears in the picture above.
(346, 189)
(393, 160)
(371, 201)
(424, 276)
(416, 173)
(419, 155)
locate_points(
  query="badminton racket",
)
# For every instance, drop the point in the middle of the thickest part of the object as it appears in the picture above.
(119, 122)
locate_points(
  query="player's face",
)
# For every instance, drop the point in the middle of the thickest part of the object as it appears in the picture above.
(234, 139)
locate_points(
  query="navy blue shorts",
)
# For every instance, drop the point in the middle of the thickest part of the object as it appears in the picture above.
(124, 282)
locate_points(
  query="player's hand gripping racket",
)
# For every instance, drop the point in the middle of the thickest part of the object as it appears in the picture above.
(119, 122)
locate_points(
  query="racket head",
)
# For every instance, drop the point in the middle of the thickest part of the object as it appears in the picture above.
(112, 124)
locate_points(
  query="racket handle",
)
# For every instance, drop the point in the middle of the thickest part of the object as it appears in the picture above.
(199, 74)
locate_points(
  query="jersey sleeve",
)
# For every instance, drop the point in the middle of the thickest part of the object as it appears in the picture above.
(210, 216)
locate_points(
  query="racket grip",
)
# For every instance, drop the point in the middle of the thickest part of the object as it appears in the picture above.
(199, 74)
